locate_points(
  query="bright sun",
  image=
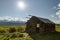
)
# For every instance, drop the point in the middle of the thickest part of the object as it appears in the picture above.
(21, 5)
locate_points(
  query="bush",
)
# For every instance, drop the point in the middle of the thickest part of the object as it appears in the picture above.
(6, 39)
(21, 35)
(20, 30)
(13, 36)
(2, 31)
(11, 30)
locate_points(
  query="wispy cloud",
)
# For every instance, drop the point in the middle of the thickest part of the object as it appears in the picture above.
(58, 14)
(52, 16)
(8, 18)
(56, 7)
(59, 5)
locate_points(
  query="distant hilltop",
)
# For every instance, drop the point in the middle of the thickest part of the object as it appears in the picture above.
(4, 22)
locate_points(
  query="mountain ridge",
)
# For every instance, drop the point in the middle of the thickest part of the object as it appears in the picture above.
(4, 22)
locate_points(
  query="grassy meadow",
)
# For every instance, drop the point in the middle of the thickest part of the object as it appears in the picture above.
(18, 33)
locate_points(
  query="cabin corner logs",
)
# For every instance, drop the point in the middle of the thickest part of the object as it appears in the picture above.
(39, 25)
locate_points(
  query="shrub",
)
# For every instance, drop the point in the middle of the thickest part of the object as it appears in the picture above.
(13, 36)
(2, 31)
(11, 30)
(21, 35)
(21, 29)
(6, 38)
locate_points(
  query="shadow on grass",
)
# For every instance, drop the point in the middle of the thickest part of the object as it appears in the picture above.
(46, 36)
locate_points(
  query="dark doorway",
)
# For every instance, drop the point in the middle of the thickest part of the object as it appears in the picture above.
(37, 30)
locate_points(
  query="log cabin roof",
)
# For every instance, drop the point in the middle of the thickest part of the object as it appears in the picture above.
(45, 20)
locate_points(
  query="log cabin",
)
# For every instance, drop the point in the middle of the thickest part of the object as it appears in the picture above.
(39, 25)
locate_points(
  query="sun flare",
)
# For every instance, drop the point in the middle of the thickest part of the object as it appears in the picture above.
(21, 5)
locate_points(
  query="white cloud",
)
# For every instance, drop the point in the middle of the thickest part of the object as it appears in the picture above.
(8, 18)
(58, 14)
(17, 19)
(52, 16)
(59, 5)
(56, 7)
(1, 18)
(23, 19)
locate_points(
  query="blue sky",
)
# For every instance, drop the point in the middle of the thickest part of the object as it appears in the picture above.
(49, 9)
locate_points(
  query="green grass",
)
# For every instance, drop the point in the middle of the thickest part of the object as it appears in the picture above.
(58, 28)
(18, 35)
